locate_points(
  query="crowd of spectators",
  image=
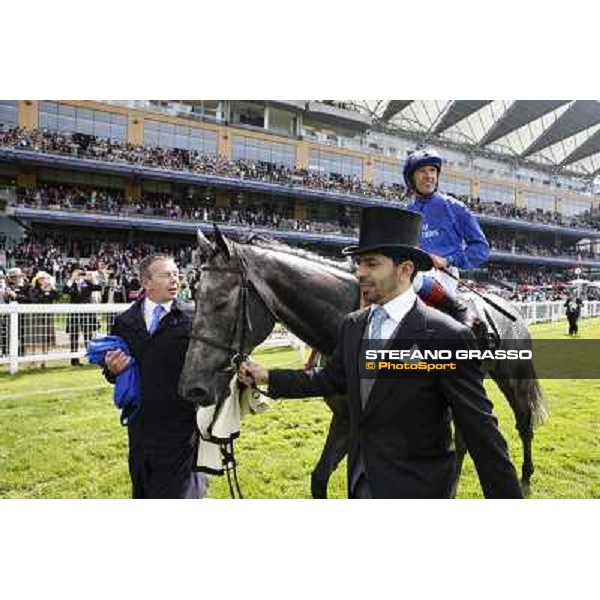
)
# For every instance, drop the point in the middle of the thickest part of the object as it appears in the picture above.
(112, 266)
(86, 146)
(59, 258)
(266, 214)
(583, 220)
(514, 276)
(46, 270)
(509, 242)
(531, 284)
(50, 272)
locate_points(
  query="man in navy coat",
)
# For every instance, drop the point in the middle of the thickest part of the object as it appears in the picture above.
(400, 439)
(163, 436)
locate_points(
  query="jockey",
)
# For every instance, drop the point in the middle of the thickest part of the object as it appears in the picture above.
(450, 234)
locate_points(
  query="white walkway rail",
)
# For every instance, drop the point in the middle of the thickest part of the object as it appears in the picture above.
(45, 332)
(543, 312)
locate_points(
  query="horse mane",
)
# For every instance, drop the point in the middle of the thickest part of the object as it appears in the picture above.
(267, 243)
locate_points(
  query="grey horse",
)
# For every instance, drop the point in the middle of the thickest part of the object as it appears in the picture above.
(244, 288)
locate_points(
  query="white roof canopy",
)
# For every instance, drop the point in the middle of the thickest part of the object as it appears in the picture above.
(559, 135)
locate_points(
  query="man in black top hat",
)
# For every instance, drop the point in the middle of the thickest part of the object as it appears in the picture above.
(400, 440)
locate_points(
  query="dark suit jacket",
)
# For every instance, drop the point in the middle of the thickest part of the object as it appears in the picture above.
(87, 323)
(163, 435)
(404, 433)
(119, 294)
(573, 307)
(84, 296)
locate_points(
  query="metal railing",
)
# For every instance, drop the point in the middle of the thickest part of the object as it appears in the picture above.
(39, 333)
(544, 312)
(47, 332)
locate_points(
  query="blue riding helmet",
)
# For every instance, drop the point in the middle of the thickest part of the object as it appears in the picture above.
(418, 159)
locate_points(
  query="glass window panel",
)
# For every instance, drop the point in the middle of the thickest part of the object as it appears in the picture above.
(102, 130)
(84, 114)
(182, 141)
(573, 207)
(291, 158)
(85, 126)
(9, 112)
(66, 110)
(118, 133)
(496, 193)
(164, 140)
(455, 185)
(119, 120)
(150, 138)
(388, 174)
(537, 201)
(66, 124)
(151, 126)
(8, 116)
(102, 117)
(49, 121)
(167, 140)
(48, 107)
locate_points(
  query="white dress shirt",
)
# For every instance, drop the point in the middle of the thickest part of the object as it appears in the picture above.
(396, 310)
(149, 310)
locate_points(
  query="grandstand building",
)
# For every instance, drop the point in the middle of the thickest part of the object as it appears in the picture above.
(83, 173)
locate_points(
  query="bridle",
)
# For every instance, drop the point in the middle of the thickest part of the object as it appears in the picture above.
(239, 354)
(242, 321)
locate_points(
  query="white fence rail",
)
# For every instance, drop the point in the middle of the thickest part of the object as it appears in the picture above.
(542, 312)
(45, 332)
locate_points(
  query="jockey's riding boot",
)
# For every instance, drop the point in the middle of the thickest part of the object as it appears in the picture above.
(435, 295)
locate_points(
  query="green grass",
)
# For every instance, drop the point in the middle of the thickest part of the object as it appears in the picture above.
(60, 437)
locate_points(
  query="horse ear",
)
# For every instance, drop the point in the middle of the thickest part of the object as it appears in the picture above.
(203, 244)
(223, 244)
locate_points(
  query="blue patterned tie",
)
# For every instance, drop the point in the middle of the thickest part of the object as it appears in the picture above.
(378, 318)
(157, 314)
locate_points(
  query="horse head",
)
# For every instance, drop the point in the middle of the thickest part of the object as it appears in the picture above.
(230, 320)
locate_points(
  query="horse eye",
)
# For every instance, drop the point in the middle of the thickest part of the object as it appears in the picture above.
(221, 303)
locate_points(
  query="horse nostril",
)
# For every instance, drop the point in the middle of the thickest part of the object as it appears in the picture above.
(198, 396)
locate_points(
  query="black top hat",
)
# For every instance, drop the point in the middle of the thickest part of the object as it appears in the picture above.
(391, 231)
